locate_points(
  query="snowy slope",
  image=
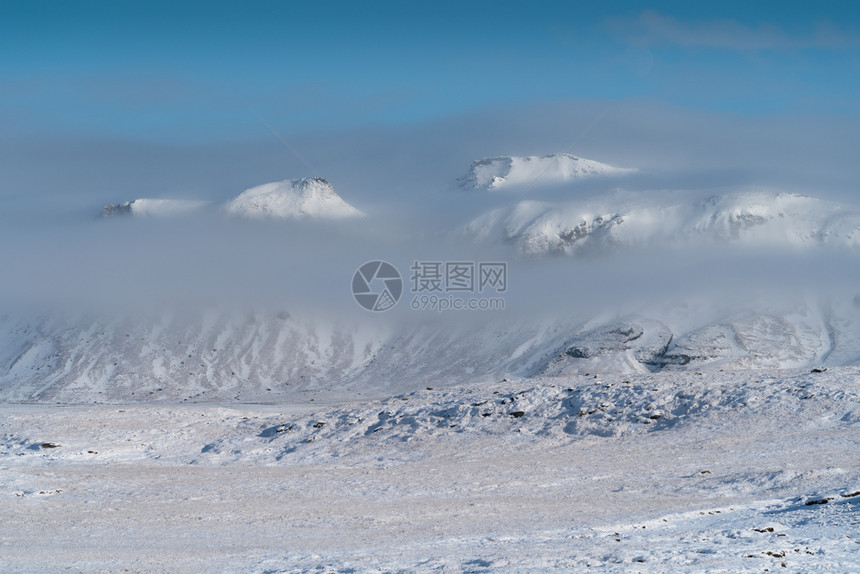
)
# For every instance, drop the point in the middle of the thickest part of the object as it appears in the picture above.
(518, 173)
(786, 338)
(633, 221)
(292, 198)
(674, 472)
(153, 207)
(218, 355)
(200, 356)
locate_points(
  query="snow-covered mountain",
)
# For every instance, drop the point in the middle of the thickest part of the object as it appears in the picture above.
(218, 355)
(292, 199)
(312, 198)
(228, 354)
(519, 173)
(621, 221)
(153, 207)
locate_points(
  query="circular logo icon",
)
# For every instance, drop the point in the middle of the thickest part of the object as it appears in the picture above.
(377, 286)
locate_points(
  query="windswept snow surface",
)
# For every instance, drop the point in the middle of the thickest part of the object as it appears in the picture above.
(673, 472)
(518, 173)
(292, 198)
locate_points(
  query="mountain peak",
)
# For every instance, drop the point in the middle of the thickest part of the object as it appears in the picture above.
(506, 172)
(312, 197)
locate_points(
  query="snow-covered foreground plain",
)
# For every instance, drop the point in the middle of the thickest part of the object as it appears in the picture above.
(673, 471)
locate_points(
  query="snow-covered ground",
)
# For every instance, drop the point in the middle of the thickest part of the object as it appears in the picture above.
(736, 471)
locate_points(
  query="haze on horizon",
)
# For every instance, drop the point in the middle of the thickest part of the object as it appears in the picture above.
(391, 102)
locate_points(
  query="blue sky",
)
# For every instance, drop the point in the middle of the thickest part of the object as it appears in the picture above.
(209, 71)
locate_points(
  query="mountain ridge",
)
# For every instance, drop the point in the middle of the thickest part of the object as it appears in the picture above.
(633, 221)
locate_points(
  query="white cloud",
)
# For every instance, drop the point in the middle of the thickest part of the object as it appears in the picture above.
(651, 28)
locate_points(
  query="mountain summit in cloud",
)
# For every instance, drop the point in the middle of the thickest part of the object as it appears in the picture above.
(312, 198)
(516, 172)
(291, 199)
(153, 207)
